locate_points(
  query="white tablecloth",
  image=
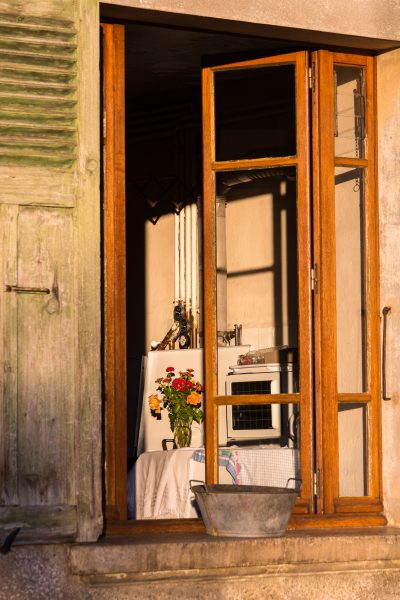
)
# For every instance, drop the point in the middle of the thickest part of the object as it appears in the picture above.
(158, 484)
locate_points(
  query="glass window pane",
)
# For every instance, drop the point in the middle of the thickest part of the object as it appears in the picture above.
(255, 112)
(349, 112)
(353, 450)
(257, 289)
(259, 444)
(350, 284)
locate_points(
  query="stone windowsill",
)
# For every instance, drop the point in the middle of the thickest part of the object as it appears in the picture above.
(165, 556)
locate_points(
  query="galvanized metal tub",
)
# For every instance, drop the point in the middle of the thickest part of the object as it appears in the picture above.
(246, 510)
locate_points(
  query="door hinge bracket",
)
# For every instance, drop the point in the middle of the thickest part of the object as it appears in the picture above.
(316, 483)
(104, 127)
(314, 278)
(311, 77)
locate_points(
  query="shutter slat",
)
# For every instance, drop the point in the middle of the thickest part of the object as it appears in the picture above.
(38, 73)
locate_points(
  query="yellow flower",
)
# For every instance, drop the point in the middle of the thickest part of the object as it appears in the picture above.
(193, 398)
(154, 403)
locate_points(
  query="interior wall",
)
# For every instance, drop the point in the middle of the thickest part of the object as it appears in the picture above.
(261, 281)
(261, 263)
(160, 277)
(161, 179)
(388, 90)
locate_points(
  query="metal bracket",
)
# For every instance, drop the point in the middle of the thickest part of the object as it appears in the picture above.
(385, 311)
(26, 290)
(317, 483)
(311, 77)
(314, 279)
(6, 547)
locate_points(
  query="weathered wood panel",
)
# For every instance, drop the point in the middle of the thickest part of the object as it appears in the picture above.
(8, 358)
(88, 434)
(40, 523)
(45, 357)
(50, 399)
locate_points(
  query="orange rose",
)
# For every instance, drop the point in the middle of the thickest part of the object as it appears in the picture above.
(154, 403)
(193, 398)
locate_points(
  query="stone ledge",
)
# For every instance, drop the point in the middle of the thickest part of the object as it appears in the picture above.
(154, 557)
(197, 575)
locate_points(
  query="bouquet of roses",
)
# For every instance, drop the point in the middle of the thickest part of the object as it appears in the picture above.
(181, 396)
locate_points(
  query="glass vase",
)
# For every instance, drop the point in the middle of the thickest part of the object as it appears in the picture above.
(182, 432)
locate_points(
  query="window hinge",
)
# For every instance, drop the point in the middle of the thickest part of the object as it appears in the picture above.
(311, 77)
(314, 278)
(316, 483)
(104, 126)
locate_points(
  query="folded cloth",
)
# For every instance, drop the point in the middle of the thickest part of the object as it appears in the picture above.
(226, 458)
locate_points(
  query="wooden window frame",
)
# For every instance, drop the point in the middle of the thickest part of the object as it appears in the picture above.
(115, 382)
(340, 512)
(327, 397)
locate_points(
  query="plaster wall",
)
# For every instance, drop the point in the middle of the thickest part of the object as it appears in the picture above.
(388, 70)
(369, 18)
(261, 270)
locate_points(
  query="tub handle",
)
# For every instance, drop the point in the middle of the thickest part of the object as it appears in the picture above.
(203, 483)
(294, 479)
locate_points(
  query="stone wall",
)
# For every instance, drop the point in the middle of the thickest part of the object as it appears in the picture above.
(320, 566)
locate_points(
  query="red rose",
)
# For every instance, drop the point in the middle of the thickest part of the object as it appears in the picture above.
(179, 383)
(170, 369)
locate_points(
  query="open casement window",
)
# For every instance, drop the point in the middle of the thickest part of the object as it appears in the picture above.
(290, 252)
(50, 392)
(314, 295)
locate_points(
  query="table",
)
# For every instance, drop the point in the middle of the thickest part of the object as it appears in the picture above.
(158, 484)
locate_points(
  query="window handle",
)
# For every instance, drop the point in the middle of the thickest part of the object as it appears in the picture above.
(385, 311)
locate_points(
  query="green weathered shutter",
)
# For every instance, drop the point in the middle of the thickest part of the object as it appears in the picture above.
(50, 393)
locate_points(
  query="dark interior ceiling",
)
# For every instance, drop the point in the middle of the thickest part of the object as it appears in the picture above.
(160, 60)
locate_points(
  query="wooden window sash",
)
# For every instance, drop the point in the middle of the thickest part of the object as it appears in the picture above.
(211, 166)
(327, 397)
